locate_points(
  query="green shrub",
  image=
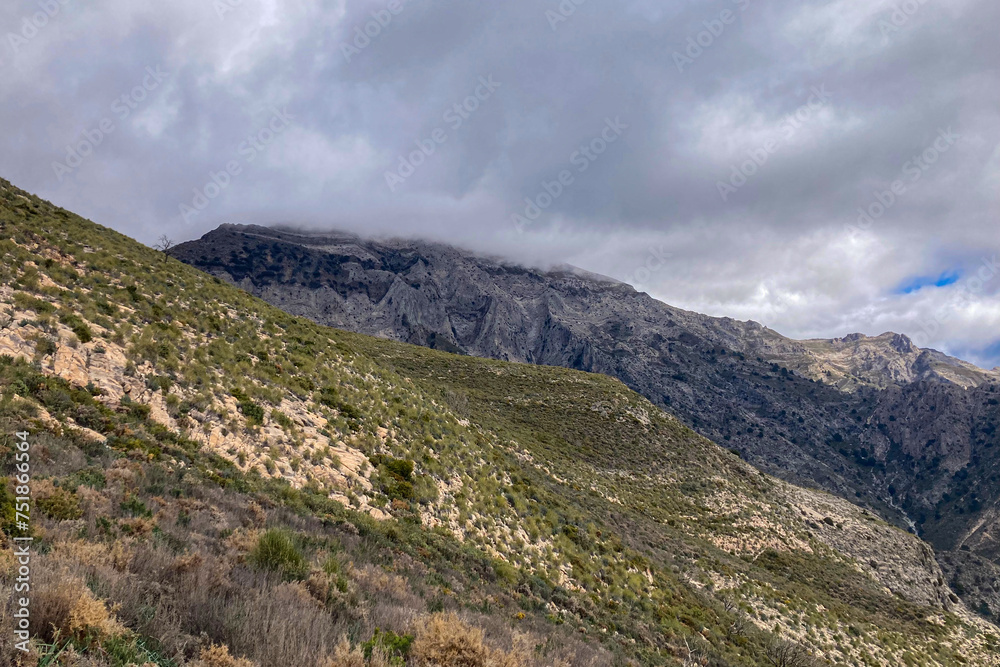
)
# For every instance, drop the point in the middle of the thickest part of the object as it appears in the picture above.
(83, 333)
(283, 420)
(401, 468)
(61, 506)
(276, 551)
(138, 411)
(27, 302)
(395, 477)
(332, 565)
(397, 647)
(397, 490)
(45, 347)
(134, 507)
(7, 507)
(330, 397)
(253, 412)
(160, 383)
(92, 477)
(79, 327)
(335, 571)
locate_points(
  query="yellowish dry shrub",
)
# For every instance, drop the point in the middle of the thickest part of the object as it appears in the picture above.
(217, 655)
(120, 472)
(43, 488)
(345, 656)
(375, 581)
(91, 615)
(443, 640)
(121, 555)
(78, 551)
(72, 609)
(140, 527)
(7, 560)
(298, 592)
(318, 585)
(93, 502)
(242, 541)
(398, 504)
(258, 517)
(187, 562)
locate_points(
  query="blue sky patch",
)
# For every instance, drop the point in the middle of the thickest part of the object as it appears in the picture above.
(991, 355)
(915, 284)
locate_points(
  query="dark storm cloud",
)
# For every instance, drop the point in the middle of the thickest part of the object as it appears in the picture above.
(751, 134)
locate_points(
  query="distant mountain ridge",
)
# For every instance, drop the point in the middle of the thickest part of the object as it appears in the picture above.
(885, 360)
(849, 362)
(909, 432)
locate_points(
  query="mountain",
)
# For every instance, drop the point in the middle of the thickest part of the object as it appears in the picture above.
(217, 483)
(910, 433)
(890, 359)
(437, 295)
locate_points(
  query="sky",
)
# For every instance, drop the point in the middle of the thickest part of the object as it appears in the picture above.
(821, 167)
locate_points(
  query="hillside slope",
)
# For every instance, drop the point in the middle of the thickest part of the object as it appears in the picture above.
(214, 476)
(910, 433)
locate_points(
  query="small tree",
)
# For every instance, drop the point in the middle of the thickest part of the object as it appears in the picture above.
(164, 245)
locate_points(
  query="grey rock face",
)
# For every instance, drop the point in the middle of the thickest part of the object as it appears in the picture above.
(909, 432)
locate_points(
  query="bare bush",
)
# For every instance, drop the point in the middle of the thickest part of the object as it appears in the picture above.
(788, 654)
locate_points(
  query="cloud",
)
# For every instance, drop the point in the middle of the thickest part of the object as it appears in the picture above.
(367, 83)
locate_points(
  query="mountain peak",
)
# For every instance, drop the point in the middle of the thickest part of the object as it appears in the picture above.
(902, 344)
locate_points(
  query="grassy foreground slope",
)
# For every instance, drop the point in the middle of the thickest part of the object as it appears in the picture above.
(217, 483)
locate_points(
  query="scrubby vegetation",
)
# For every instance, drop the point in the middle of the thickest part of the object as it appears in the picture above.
(220, 484)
